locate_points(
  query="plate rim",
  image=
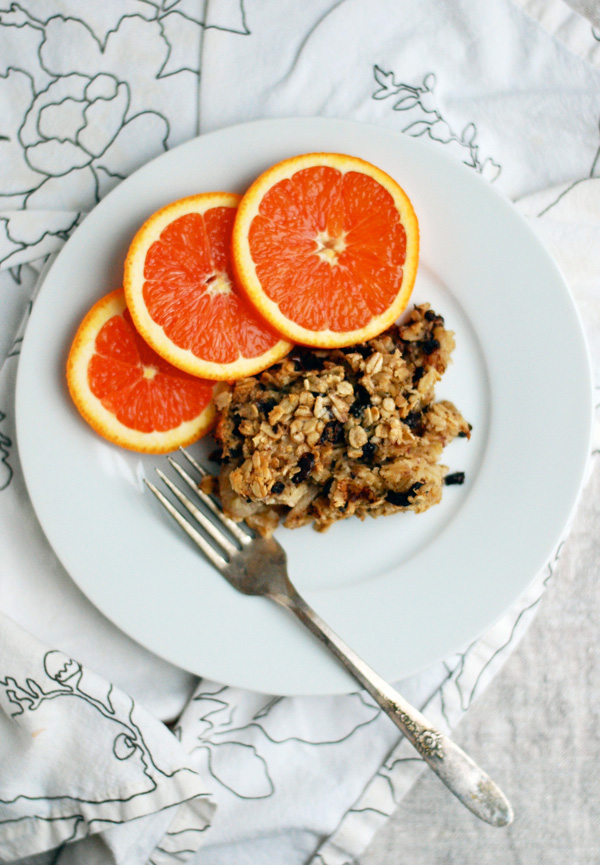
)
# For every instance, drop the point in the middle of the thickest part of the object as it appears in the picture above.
(322, 122)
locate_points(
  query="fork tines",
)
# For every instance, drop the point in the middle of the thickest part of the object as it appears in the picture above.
(214, 528)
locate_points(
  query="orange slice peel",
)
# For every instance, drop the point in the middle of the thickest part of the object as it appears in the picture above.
(183, 296)
(126, 392)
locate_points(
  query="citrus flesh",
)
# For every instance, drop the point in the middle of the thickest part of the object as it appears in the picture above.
(326, 247)
(183, 297)
(127, 392)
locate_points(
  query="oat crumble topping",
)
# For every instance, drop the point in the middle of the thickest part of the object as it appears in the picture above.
(327, 434)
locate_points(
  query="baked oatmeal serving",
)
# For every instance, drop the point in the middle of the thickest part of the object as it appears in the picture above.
(328, 434)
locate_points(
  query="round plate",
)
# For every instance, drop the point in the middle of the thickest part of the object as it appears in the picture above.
(405, 590)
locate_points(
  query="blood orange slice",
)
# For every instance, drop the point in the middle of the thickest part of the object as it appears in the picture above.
(127, 392)
(326, 247)
(183, 296)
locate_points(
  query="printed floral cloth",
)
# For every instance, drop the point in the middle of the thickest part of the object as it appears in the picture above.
(94, 730)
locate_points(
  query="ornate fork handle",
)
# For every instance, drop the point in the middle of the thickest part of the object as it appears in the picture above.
(257, 566)
(457, 770)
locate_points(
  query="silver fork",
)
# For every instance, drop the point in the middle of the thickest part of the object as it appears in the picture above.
(257, 566)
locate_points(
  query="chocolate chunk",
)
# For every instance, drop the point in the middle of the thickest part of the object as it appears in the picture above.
(277, 488)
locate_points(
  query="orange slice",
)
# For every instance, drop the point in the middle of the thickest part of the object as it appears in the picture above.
(183, 297)
(326, 248)
(129, 394)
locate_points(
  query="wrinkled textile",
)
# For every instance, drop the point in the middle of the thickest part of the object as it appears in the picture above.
(109, 755)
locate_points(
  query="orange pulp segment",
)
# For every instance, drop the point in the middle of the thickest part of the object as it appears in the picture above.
(183, 296)
(127, 392)
(326, 247)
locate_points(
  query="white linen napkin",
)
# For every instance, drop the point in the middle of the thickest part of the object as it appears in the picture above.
(89, 92)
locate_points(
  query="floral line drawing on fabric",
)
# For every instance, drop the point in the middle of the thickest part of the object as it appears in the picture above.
(573, 188)
(6, 474)
(77, 117)
(69, 140)
(425, 119)
(188, 837)
(15, 349)
(26, 275)
(15, 274)
(225, 743)
(172, 29)
(450, 700)
(226, 16)
(67, 676)
(33, 234)
(383, 796)
(467, 697)
(74, 803)
(74, 123)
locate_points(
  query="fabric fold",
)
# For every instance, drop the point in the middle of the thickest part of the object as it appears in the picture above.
(90, 92)
(78, 754)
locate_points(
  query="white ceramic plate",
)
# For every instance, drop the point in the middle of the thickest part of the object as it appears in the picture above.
(404, 591)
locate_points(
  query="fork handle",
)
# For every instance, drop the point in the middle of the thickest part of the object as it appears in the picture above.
(463, 777)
